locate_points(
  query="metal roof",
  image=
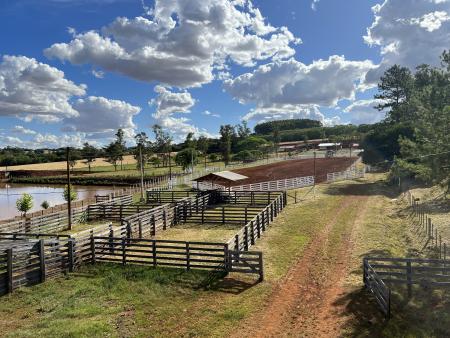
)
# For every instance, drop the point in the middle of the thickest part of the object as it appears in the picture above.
(227, 175)
(329, 144)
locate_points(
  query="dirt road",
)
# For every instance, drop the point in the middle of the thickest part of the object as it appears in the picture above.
(304, 304)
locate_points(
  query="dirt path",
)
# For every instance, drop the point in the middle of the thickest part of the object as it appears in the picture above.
(304, 303)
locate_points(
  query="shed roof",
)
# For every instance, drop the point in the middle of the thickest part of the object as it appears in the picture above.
(329, 144)
(227, 176)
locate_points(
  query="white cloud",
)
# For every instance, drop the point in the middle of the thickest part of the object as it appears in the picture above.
(167, 105)
(102, 115)
(98, 74)
(23, 130)
(363, 111)
(208, 113)
(36, 89)
(182, 43)
(287, 112)
(409, 33)
(323, 82)
(314, 4)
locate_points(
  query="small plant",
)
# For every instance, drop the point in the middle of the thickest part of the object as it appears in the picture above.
(73, 193)
(24, 204)
(45, 205)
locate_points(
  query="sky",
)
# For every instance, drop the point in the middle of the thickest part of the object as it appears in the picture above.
(73, 71)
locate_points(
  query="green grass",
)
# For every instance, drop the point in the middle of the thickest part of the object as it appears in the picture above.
(133, 301)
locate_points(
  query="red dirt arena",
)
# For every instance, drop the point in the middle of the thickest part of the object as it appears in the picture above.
(294, 168)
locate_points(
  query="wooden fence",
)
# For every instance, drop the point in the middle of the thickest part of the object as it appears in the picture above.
(346, 175)
(285, 184)
(115, 212)
(382, 271)
(199, 255)
(430, 229)
(32, 262)
(163, 197)
(249, 233)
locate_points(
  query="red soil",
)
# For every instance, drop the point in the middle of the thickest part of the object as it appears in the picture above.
(294, 168)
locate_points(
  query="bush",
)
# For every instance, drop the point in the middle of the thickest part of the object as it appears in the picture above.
(24, 204)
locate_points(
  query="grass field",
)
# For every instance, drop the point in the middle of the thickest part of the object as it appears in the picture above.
(346, 219)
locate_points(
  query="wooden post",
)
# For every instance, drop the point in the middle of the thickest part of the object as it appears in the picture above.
(203, 215)
(140, 228)
(70, 253)
(258, 228)
(9, 268)
(236, 242)
(41, 248)
(246, 213)
(153, 223)
(246, 238)
(124, 253)
(223, 215)
(409, 277)
(252, 232)
(164, 219)
(226, 261)
(295, 197)
(261, 268)
(92, 248)
(154, 252)
(188, 257)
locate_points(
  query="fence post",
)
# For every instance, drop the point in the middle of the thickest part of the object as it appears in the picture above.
(41, 249)
(245, 215)
(70, 253)
(261, 268)
(124, 253)
(271, 212)
(154, 252)
(203, 215)
(9, 268)
(252, 233)
(246, 238)
(258, 227)
(92, 248)
(153, 225)
(236, 242)
(140, 228)
(164, 219)
(188, 257)
(409, 277)
(223, 215)
(226, 262)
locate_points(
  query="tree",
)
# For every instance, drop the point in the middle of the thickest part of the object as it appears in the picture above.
(73, 194)
(202, 145)
(395, 88)
(89, 154)
(251, 143)
(190, 141)
(113, 154)
(24, 203)
(121, 146)
(163, 142)
(45, 205)
(186, 158)
(7, 160)
(226, 134)
(143, 146)
(243, 130)
(74, 157)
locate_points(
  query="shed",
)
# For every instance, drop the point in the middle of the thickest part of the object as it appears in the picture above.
(329, 146)
(223, 178)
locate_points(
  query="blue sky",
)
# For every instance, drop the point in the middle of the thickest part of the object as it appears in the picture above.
(76, 70)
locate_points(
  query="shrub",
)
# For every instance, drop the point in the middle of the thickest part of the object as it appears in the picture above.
(24, 204)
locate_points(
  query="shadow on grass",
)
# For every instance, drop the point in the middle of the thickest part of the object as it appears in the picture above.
(112, 274)
(364, 188)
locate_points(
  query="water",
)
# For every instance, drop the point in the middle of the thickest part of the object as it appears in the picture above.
(9, 193)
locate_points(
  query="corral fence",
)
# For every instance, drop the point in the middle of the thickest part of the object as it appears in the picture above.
(381, 272)
(30, 258)
(346, 175)
(285, 184)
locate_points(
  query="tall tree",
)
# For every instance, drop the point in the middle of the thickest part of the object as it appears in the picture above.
(226, 135)
(243, 131)
(121, 145)
(163, 143)
(144, 147)
(113, 154)
(395, 86)
(202, 145)
(89, 154)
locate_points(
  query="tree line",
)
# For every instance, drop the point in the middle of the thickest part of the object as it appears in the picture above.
(415, 135)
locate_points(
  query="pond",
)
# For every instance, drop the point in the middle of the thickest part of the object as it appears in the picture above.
(53, 194)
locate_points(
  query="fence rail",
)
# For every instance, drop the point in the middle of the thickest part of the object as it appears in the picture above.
(346, 175)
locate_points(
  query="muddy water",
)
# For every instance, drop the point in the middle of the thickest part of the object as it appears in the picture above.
(9, 193)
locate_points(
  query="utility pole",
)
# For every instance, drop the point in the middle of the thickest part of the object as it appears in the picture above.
(142, 172)
(69, 195)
